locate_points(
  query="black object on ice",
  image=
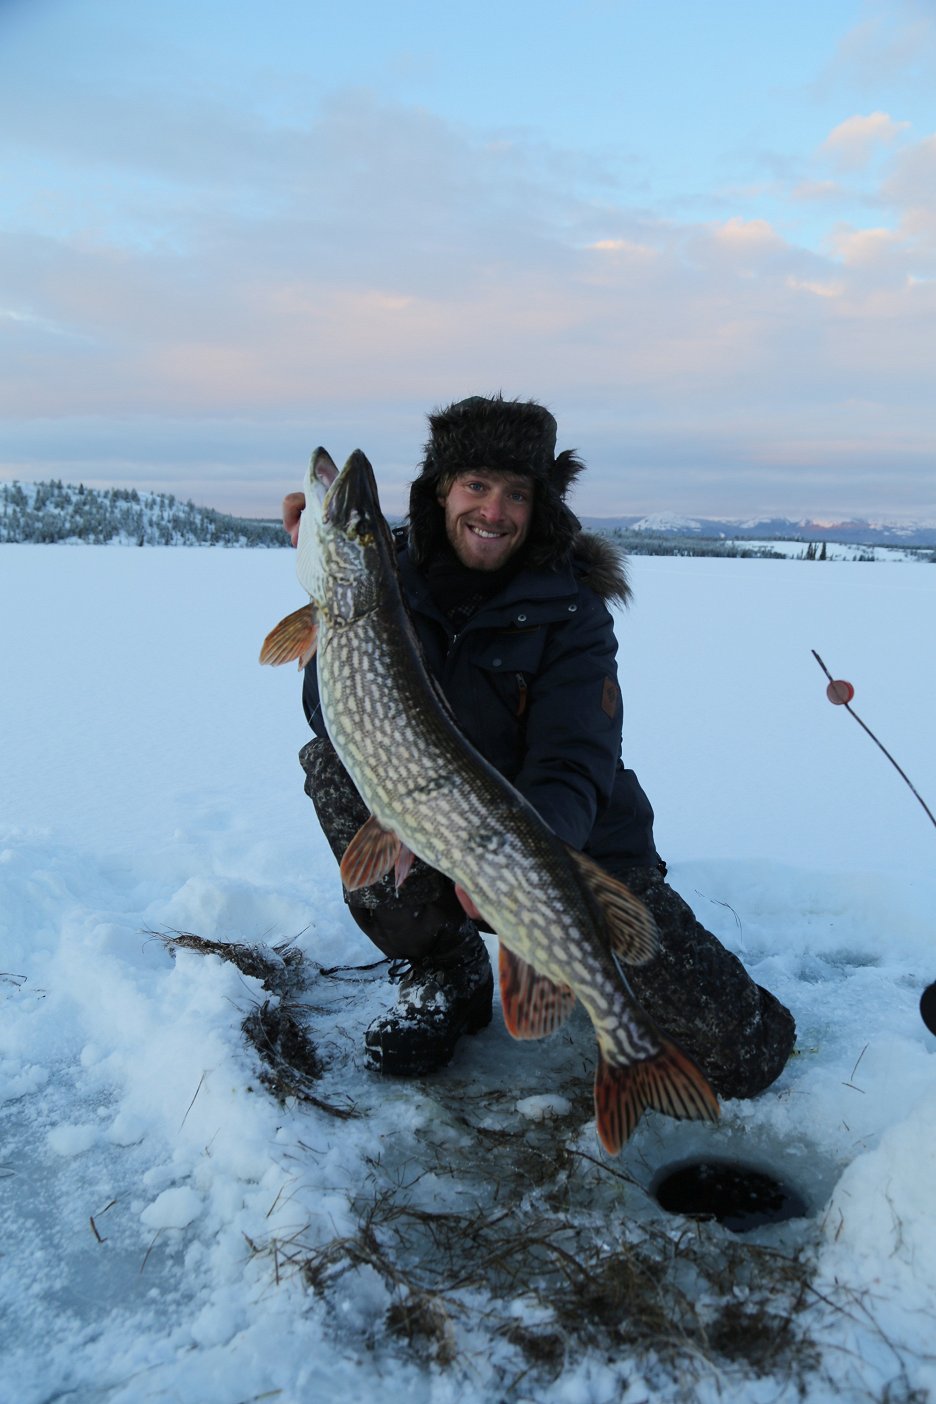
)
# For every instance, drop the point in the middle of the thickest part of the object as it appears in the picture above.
(736, 1195)
(928, 1007)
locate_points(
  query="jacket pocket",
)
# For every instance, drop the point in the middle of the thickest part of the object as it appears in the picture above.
(513, 651)
(504, 669)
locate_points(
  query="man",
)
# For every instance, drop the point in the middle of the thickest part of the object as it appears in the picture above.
(510, 601)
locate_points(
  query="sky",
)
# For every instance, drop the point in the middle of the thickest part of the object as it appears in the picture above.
(704, 235)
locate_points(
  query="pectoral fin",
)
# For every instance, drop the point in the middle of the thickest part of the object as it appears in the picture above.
(533, 1004)
(369, 856)
(632, 931)
(294, 637)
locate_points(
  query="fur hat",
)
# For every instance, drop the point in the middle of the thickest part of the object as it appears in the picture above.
(508, 436)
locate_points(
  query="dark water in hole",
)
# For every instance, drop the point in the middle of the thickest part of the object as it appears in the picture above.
(928, 1007)
(736, 1195)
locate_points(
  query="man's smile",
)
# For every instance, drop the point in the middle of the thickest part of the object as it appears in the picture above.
(503, 503)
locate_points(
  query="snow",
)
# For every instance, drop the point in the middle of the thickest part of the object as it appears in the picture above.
(169, 1230)
(836, 550)
(667, 522)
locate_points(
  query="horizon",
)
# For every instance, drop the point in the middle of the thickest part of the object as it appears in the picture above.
(673, 516)
(230, 236)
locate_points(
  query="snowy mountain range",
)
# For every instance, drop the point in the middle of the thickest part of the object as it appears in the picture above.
(852, 532)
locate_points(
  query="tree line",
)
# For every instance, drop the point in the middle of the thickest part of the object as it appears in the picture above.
(55, 511)
(653, 543)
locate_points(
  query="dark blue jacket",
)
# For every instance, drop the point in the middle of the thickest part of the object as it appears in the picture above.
(532, 681)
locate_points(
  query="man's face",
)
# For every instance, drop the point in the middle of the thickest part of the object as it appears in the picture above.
(487, 516)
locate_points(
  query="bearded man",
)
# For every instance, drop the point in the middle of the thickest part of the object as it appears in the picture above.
(510, 599)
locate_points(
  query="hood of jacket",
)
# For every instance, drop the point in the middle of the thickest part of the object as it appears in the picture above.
(601, 564)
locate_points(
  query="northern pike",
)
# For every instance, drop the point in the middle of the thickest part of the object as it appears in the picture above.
(561, 921)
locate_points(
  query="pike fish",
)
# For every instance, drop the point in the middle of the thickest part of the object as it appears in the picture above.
(561, 921)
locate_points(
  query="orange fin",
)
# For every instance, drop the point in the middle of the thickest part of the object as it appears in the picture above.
(294, 637)
(533, 1004)
(369, 856)
(669, 1083)
(404, 861)
(632, 931)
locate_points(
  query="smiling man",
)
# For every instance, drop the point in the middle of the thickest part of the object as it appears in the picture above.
(487, 517)
(510, 601)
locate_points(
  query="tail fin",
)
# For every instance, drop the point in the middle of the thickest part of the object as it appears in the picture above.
(669, 1083)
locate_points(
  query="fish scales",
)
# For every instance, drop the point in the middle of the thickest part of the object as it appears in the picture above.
(449, 818)
(424, 783)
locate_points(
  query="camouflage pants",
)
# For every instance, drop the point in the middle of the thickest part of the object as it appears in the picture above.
(695, 989)
(425, 918)
(701, 994)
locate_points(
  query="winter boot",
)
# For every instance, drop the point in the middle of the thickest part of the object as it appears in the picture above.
(440, 999)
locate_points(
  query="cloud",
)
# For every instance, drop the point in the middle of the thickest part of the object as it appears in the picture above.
(815, 287)
(750, 238)
(626, 248)
(866, 247)
(206, 319)
(853, 142)
(818, 191)
(894, 43)
(911, 183)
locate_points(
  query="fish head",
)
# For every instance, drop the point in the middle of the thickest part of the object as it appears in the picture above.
(343, 538)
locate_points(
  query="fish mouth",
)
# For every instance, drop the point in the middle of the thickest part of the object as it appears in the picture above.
(351, 502)
(324, 471)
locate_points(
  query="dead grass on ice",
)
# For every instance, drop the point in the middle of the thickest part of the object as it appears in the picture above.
(549, 1255)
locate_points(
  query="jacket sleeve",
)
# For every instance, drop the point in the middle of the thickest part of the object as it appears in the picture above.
(573, 723)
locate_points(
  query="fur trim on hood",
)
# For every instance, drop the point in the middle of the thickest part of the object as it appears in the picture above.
(601, 564)
(508, 436)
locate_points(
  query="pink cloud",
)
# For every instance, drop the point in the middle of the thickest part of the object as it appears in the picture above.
(852, 143)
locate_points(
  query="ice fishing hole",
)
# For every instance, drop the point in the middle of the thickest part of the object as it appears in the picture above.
(738, 1196)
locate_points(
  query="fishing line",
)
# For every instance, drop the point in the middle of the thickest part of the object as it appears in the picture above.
(840, 693)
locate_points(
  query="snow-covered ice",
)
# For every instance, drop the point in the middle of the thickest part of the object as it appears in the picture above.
(171, 1231)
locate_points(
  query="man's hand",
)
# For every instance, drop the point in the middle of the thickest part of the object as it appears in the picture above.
(468, 907)
(293, 507)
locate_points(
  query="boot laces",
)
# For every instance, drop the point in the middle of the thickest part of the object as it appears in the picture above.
(398, 970)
